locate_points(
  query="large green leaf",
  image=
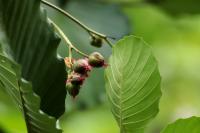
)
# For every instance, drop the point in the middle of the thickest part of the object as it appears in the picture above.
(133, 84)
(22, 93)
(189, 125)
(33, 44)
(38, 86)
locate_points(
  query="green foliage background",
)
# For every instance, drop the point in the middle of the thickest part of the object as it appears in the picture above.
(175, 38)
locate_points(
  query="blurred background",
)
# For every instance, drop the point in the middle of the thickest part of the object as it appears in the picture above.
(171, 27)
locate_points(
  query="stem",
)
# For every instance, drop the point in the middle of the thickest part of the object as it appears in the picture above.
(66, 39)
(109, 43)
(70, 56)
(89, 30)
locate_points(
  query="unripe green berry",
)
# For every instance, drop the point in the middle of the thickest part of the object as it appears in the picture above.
(96, 60)
(96, 42)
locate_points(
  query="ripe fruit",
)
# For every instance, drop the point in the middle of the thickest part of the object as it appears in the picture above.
(96, 41)
(96, 60)
(76, 79)
(72, 89)
(81, 66)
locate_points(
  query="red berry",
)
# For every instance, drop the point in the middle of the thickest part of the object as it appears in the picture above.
(81, 66)
(96, 60)
(76, 79)
(73, 90)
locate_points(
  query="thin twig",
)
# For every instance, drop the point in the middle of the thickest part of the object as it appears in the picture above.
(89, 30)
(66, 39)
(109, 43)
(70, 56)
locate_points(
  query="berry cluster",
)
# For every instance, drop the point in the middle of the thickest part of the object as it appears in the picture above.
(79, 71)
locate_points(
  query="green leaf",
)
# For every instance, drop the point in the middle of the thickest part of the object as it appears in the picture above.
(189, 125)
(133, 84)
(37, 82)
(178, 7)
(22, 93)
(32, 43)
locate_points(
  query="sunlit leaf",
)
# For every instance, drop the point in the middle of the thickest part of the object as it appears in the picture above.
(189, 125)
(133, 84)
(177, 7)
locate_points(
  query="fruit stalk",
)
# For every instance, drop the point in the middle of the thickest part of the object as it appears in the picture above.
(90, 31)
(71, 46)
